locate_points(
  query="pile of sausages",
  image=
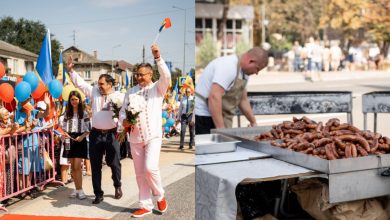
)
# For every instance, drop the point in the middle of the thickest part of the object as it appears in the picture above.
(330, 141)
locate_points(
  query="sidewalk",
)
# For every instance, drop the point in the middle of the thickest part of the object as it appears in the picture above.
(266, 78)
(174, 166)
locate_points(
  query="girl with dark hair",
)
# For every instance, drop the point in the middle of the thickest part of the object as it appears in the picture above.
(76, 124)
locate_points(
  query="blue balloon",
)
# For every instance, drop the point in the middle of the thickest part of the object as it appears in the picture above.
(55, 88)
(167, 129)
(22, 91)
(165, 114)
(32, 79)
(170, 122)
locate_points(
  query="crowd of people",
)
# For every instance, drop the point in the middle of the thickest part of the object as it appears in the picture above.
(85, 131)
(316, 55)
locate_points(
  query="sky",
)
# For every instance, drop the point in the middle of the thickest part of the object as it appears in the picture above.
(116, 29)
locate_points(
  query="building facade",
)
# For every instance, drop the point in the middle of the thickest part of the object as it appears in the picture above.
(17, 61)
(90, 67)
(238, 26)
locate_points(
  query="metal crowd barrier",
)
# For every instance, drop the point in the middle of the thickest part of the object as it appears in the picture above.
(299, 102)
(23, 165)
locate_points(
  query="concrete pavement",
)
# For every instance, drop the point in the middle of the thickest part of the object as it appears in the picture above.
(175, 165)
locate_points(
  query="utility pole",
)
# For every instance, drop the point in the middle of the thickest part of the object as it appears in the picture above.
(74, 38)
(184, 41)
(143, 54)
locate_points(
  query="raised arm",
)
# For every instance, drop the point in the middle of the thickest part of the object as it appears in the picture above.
(79, 82)
(165, 74)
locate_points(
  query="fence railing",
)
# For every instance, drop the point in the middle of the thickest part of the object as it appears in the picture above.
(26, 162)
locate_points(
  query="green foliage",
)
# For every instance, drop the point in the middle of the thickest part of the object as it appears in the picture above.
(207, 51)
(28, 35)
(242, 47)
(282, 44)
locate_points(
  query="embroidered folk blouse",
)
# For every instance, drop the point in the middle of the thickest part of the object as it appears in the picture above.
(149, 122)
(75, 124)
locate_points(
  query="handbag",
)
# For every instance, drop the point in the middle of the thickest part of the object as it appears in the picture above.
(48, 163)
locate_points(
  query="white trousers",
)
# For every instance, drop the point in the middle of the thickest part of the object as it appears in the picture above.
(146, 159)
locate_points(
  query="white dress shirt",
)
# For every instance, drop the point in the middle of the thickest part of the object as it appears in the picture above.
(149, 121)
(183, 105)
(101, 108)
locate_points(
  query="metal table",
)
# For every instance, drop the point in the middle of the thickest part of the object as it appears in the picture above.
(349, 179)
(216, 183)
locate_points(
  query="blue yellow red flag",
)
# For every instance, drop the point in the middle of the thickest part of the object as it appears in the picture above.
(165, 25)
(44, 63)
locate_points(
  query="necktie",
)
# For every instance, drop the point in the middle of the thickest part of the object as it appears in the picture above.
(187, 107)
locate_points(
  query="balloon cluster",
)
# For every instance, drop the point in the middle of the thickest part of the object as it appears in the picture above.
(167, 121)
(28, 86)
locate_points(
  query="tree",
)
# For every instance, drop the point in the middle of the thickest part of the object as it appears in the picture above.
(242, 47)
(377, 21)
(222, 25)
(28, 35)
(207, 51)
(345, 17)
(297, 20)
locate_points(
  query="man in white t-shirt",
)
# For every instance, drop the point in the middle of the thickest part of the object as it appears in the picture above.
(222, 87)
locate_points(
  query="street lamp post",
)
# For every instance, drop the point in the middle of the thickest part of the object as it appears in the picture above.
(112, 58)
(184, 42)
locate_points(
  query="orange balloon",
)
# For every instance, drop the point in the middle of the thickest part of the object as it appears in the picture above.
(2, 70)
(6, 92)
(18, 80)
(39, 90)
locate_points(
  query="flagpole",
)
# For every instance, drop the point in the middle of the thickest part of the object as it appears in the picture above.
(155, 39)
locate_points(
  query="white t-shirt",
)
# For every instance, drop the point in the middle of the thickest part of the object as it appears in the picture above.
(222, 71)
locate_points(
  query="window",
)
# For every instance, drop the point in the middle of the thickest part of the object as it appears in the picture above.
(198, 23)
(229, 24)
(238, 24)
(87, 75)
(209, 23)
(29, 65)
(15, 66)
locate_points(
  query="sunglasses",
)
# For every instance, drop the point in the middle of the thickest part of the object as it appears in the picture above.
(141, 75)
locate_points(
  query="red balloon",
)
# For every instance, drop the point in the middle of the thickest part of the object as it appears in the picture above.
(6, 92)
(39, 90)
(10, 106)
(2, 70)
(18, 80)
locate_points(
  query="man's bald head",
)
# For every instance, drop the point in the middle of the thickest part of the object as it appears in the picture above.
(254, 60)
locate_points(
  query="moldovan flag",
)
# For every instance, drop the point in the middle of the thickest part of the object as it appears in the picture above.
(127, 82)
(44, 64)
(165, 25)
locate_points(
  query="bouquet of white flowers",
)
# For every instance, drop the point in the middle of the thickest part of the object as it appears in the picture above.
(116, 105)
(134, 108)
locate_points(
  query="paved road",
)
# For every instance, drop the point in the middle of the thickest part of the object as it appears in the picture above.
(181, 202)
(177, 176)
